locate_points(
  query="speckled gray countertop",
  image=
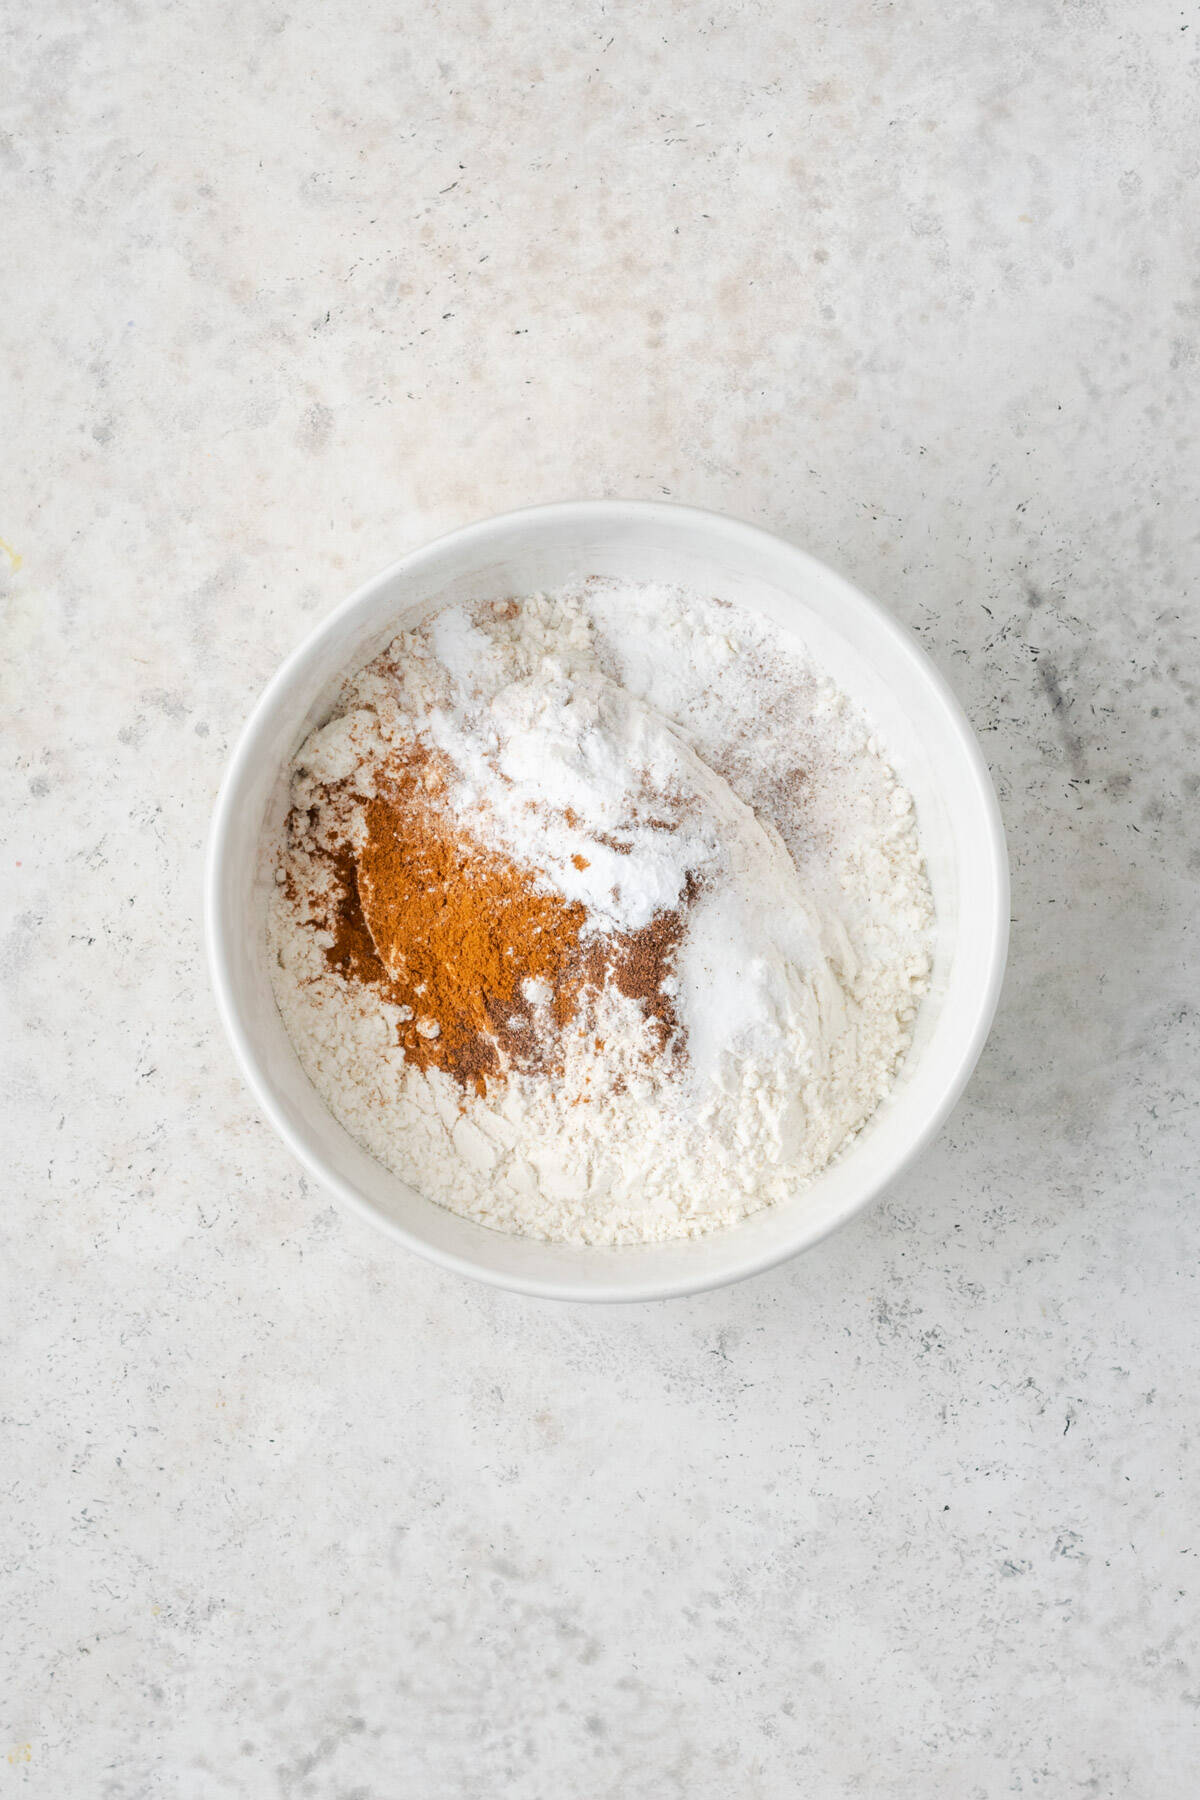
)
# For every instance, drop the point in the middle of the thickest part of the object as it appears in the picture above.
(287, 290)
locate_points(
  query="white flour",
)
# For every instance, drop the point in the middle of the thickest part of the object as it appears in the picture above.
(619, 738)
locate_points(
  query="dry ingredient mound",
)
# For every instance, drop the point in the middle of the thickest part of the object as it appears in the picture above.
(458, 931)
(599, 916)
(460, 939)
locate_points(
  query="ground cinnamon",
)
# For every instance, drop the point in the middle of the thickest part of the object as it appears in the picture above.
(458, 930)
(450, 932)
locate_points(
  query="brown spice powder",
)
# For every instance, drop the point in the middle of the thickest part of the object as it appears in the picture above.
(641, 962)
(450, 931)
(458, 929)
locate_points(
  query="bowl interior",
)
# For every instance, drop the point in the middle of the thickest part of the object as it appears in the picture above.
(876, 663)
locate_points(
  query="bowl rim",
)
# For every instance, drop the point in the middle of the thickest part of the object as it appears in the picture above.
(217, 927)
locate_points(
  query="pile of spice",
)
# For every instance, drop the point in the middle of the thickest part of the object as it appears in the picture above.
(484, 966)
(575, 946)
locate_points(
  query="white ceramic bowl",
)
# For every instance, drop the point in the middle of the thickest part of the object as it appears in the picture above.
(873, 659)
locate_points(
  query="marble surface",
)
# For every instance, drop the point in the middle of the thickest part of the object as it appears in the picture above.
(287, 290)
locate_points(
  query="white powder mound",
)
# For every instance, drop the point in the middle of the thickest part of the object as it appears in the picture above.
(622, 740)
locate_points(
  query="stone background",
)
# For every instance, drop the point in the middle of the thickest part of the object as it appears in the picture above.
(288, 289)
